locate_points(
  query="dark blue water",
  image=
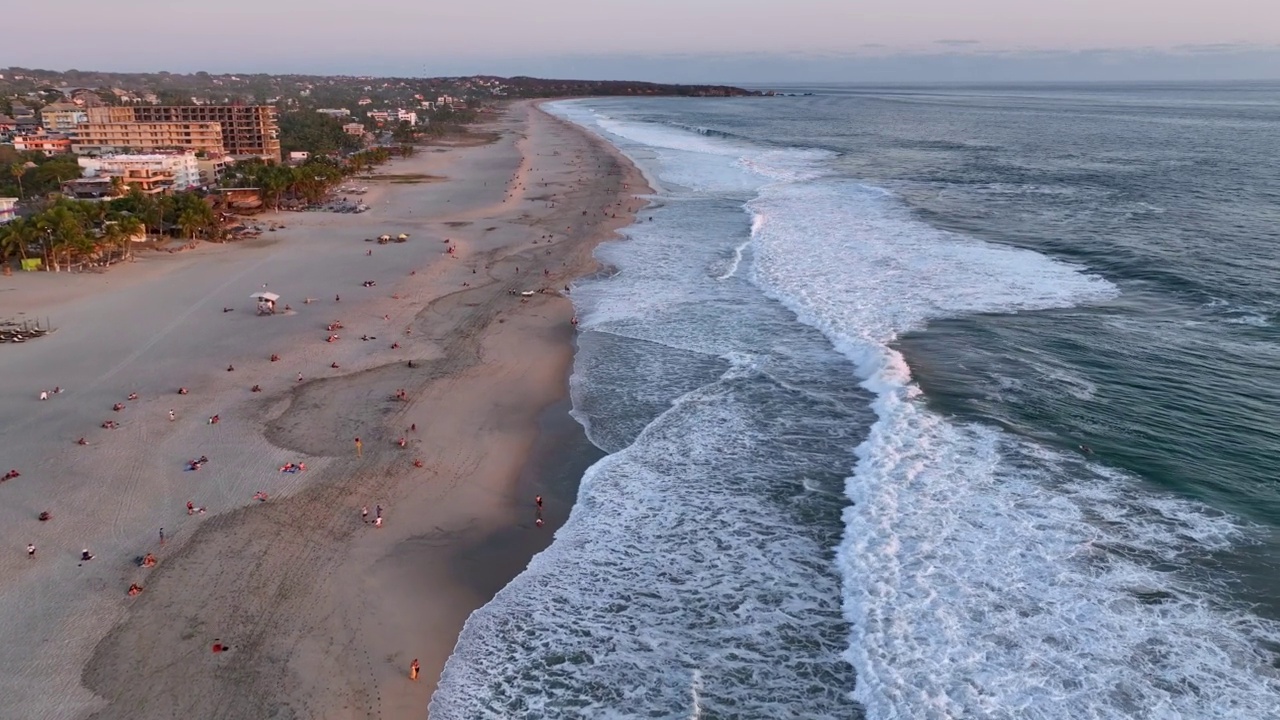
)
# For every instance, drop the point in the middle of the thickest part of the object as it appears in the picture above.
(1034, 328)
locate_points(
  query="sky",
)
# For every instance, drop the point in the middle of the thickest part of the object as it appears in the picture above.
(740, 41)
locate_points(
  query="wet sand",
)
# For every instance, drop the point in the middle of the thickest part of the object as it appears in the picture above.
(323, 613)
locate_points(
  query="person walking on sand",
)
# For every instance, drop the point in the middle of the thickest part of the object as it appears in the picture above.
(359, 448)
(537, 500)
(31, 551)
(172, 417)
(364, 513)
(161, 536)
(413, 669)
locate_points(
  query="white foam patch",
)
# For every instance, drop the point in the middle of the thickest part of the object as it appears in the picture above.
(983, 576)
(986, 576)
(670, 591)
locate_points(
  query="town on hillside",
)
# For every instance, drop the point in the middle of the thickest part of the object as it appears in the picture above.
(93, 162)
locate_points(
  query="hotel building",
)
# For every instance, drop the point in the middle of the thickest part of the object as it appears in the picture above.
(167, 171)
(104, 138)
(246, 130)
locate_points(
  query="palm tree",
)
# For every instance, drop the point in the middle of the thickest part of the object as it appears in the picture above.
(274, 181)
(190, 222)
(15, 237)
(17, 170)
(62, 230)
(129, 227)
(117, 186)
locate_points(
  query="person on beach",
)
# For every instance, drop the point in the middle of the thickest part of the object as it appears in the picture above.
(537, 500)
(364, 513)
(413, 669)
(538, 522)
(359, 448)
(31, 551)
(161, 536)
(85, 555)
(299, 377)
(44, 394)
(172, 417)
(191, 508)
(377, 512)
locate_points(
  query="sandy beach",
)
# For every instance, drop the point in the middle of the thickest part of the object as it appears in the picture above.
(321, 611)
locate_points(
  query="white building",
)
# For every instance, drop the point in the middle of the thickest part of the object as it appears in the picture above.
(335, 112)
(8, 209)
(184, 167)
(407, 115)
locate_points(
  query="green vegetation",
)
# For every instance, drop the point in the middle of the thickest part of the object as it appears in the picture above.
(306, 183)
(309, 131)
(31, 174)
(68, 233)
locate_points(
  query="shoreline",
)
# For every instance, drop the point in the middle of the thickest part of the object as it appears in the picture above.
(322, 617)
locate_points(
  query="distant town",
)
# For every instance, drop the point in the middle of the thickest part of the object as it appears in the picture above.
(179, 155)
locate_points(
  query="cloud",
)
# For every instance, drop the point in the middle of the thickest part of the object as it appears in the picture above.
(957, 43)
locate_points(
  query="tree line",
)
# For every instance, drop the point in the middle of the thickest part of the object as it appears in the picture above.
(68, 233)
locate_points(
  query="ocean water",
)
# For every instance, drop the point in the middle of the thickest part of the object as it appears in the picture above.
(950, 402)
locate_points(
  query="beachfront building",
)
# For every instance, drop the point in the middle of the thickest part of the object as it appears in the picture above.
(62, 117)
(246, 130)
(8, 209)
(151, 173)
(42, 142)
(95, 138)
(96, 188)
(211, 168)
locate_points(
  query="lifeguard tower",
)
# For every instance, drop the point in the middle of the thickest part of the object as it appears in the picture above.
(266, 302)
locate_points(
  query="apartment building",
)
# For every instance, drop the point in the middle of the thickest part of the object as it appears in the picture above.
(42, 142)
(106, 138)
(62, 117)
(180, 170)
(247, 130)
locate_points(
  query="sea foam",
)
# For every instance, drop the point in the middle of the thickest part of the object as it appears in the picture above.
(981, 575)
